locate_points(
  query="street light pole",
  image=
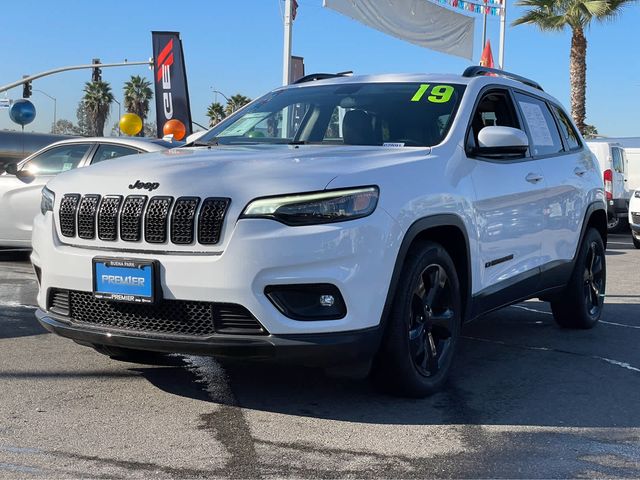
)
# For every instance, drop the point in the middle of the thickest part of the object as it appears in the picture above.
(286, 64)
(119, 115)
(55, 104)
(217, 91)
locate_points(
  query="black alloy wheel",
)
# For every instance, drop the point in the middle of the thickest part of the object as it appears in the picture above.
(432, 313)
(594, 279)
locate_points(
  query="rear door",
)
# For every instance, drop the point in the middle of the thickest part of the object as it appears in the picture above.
(20, 195)
(618, 167)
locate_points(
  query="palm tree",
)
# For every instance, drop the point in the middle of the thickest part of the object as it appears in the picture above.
(137, 94)
(96, 101)
(236, 102)
(577, 15)
(216, 113)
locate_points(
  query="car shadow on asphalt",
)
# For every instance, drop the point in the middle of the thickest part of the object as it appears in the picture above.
(514, 367)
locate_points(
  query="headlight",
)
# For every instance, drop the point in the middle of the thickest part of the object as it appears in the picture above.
(46, 202)
(637, 194)
(315, 208)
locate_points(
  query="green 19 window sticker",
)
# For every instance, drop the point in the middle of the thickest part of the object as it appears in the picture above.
(438, 93)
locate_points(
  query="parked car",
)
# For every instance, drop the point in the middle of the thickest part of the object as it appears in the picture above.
(366, 221)
(634, 218)
(611, 157)
(21, 183)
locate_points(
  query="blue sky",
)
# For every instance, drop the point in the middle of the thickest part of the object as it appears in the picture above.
(236, 47)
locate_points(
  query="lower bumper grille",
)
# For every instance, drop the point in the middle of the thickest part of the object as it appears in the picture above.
(173, 317)
(635, 218)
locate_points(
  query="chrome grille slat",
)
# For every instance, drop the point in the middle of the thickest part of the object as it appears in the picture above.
(67, 214)
(183, 220)
(156, 219)
(211, 219)
(87, 216)
(131, 218)
(108, 218)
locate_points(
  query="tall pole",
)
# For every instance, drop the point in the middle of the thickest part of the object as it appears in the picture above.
(55, 103)
(119, 116)
(286, 64)
(503, 28)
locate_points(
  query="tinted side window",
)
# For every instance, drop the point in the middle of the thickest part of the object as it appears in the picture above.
(494, 109)
(544, 134)
(57, 159)
(617, 159)
(107, 152)
(567, 130)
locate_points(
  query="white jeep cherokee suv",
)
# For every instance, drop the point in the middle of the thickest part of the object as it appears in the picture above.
(340, 219)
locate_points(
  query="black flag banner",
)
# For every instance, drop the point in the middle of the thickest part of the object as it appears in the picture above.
(173, 113)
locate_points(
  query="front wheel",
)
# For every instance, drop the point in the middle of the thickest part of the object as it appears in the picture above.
(423, 327)
(580, 305)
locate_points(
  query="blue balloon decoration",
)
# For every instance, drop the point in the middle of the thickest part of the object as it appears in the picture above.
(22, 112)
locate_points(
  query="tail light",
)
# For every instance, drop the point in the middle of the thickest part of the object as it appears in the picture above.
(608, 184)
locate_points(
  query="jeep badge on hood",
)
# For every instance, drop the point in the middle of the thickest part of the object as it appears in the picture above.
(151, 186)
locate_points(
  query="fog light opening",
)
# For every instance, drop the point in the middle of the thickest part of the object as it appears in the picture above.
(318, 301)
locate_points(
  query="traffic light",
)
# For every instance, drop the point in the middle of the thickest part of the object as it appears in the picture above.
(26, 90)
(96, 75)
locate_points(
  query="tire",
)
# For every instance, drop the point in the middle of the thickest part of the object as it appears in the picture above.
(423, 327)
(616, 224)
(636, 239)
(130, 355)
(581, 303)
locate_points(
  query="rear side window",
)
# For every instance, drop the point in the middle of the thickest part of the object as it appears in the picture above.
(566, 129)
(107, 152)
(544, 134)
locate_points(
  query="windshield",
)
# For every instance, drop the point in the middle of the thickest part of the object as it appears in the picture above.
(383, 114)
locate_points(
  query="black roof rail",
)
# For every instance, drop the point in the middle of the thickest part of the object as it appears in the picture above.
(321, 76)
(476, 71)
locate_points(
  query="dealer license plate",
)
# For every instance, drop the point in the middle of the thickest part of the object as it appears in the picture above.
(124, 280)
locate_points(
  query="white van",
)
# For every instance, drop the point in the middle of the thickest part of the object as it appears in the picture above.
(611, 157)
(632, 167)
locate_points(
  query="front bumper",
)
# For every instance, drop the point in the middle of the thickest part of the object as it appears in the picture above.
(309, 349)
(357, 257)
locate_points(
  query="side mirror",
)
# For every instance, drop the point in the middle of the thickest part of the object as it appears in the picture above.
(500, 141)
(11, 168)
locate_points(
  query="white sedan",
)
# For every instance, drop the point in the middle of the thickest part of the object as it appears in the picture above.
(634, 218)
(21, 183)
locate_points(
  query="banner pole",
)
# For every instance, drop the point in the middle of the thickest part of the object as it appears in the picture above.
(286, 65)
(503, 28)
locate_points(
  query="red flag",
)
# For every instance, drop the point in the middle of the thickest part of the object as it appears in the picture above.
(486, 60)
(294, 9)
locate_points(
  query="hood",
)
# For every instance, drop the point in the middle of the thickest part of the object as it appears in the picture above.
(240, 173)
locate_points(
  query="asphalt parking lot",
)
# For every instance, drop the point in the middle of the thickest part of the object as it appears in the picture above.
(527, 399)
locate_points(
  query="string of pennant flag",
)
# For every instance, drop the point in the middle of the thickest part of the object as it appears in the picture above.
(487, 7)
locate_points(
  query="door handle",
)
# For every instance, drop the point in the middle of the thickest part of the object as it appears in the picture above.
(533, 178)
(580, 171)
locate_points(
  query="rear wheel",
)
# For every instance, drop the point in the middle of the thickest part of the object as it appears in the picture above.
(424, 325)
(580, 305)
(616, 224)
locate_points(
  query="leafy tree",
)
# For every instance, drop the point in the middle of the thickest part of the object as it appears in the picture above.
(97, 100)
(83, 121)
(236, 102)
(216, 113)
(576, 15)
(64, 127)
(137, 95)
(590, 131)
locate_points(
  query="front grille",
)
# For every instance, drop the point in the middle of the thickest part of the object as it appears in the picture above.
(133, 218)
(211, 218)
(174, 317)
(68, 207)
(184, 213)
(87, 216)
(155, 230)
(108, 218)
(635, 218)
